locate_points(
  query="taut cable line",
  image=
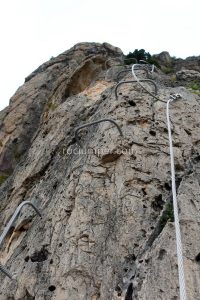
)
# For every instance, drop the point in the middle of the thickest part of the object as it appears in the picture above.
(175, 206)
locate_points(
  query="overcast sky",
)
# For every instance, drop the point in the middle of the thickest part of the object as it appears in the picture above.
(34, 30)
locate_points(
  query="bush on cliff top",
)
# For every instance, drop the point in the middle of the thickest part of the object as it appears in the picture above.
(141, 55)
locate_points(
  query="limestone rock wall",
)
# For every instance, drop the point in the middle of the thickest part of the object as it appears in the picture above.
(107, 230)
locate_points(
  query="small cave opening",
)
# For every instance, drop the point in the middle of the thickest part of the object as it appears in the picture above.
(197, 258)
(157, 204)
(132, 103)
(152, 132)
(167, 186)
(26, 258)
(161, 254)
(165, 130)
(40, 256)
(197, 158)
(52, 288)
(179, 167)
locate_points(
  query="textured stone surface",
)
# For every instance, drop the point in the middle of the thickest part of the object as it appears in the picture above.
(188, 75)
(190, 63)
(164, 58)
(105, 232)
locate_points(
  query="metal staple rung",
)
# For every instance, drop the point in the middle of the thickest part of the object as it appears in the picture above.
(135, 81)
(130, 69)
(14, 217)
(93, 123)
(5, 271)
(152, 67)
(139, 82)
(9, 225)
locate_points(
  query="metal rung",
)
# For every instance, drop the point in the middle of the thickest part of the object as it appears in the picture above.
(130, 69)
(5, 271)
(135, 81)
(14, 217)
(93, 123)
(150, 67)
(139, 82)
(8, 227)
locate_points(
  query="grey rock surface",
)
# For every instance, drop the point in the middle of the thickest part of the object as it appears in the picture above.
(107, 231)
(188, 75)
(190, 63)
(164, 58)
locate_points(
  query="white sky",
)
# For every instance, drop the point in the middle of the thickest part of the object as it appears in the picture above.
(31, 31)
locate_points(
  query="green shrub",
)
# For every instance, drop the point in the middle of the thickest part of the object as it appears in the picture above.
(168, 215)
(194, 87)
(168, 69)
(141, 55)
(52, 106)
(3, 178)
(196, 92)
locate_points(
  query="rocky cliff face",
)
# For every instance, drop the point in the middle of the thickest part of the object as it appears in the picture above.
(107, 228)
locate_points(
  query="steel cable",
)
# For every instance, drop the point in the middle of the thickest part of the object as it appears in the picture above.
(175, 206)
(181, 275)
(134, 75)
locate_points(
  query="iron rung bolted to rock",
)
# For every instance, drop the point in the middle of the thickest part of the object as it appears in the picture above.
(5, 271)
(134, 67)
(130, 69)
(149, 66)
(15, 216)
(93, 123)
(135, 81)
(10, 224)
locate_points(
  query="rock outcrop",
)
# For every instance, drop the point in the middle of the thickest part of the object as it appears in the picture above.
(190, 63)
(164, 58)
(107, 230)
(188, 75)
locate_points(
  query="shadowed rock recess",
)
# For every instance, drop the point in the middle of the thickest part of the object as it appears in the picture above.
(107, 230)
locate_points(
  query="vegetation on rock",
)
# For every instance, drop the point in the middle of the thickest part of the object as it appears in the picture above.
(3, 178)
(141, 55)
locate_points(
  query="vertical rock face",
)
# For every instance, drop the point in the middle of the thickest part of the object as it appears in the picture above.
(107, 228)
